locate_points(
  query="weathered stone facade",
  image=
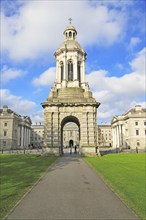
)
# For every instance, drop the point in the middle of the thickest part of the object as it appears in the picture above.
(15, 130)
(37, 136)
(129, 129)
(104, 135)
(70, 99)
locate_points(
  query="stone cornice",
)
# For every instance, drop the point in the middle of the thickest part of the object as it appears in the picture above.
(61, 104)
(60, 51)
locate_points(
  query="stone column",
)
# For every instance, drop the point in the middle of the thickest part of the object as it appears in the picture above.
(84, 136)
(48, 128)
(121, 135)
(59, 130)
(25, 136)
(115, 138)
(65, 67)
(75, 76)
(24, 142)
(58, 72)
(83, 71)
(18, 137)
(55, 129)
(29, 136)
(52, 115)
(95, 127)
(117, 135)
(91, 129)
(22, 136)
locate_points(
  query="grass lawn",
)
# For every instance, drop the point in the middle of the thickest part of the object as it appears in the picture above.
(126, 175)
(17, 174)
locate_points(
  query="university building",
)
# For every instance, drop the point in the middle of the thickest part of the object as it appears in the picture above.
(70, 135)
(15, 130)
(104, 135)
(129, 129)
(37, 136)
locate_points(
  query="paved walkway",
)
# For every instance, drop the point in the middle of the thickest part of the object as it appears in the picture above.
(71, 190)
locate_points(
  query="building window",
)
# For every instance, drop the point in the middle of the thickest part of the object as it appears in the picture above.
(70, 71)
(144, 122)
(5, 124)
(5, 133)
(137, 132)
(138, 143)
(136, 123)
(62, 70)
(79, 71)
(145, 132)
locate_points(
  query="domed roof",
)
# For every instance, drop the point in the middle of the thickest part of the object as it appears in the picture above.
(5, 106)
(70, 27)
(70, 44)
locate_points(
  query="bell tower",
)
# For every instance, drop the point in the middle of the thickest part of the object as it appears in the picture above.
(70, 99)
(70, 61)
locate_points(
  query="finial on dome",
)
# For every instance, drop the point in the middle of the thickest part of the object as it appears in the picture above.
(70, 20)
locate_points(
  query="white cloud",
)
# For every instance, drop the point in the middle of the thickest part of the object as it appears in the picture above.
(8, 74)
(37, 117)
(21, 106)
(139, 63)
(46, 78)
(37, 25)
(116, 93)
(134, 41)
(16, 103)
(119, 66)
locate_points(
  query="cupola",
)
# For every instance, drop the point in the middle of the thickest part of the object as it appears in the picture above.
(70, 32)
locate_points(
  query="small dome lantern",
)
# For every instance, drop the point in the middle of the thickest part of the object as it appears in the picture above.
(70, 32)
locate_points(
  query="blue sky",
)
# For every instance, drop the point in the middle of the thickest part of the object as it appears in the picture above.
(111, 32)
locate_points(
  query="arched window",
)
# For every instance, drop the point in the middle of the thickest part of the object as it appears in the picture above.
(62, 70)
(79, 71)
(70, 34)
(74, 35)
(70, 71)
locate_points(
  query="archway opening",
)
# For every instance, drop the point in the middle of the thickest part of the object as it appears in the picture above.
(71, 143)
(70, 135)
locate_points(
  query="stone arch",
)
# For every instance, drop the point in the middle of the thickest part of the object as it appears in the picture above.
(64, 121)
(71, 142)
